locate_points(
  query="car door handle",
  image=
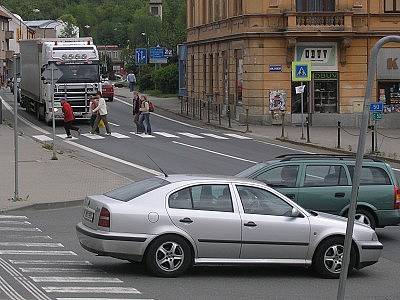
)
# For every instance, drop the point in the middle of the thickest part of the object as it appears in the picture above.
(186, 220)
(340, 195)
(250, 224)
(291, 196)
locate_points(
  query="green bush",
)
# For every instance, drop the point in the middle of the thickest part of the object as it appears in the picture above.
(167, 79)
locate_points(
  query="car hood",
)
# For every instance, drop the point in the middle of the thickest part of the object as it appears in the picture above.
(339, 218)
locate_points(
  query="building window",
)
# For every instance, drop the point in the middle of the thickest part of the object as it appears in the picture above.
(192, 73)
(191, 13)
(211, 74)
(204, 12)
(217, 15)
(210, 11)
(204, 73)
(238, 7)
(154, 11)
(315, 6)
(392, 6)
(389, 94)
(2, 25)
(224, 8)
(2, 46)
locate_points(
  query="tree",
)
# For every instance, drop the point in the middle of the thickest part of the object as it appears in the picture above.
(70, 26)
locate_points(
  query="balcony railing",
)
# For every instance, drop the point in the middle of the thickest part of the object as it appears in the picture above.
(326, 21)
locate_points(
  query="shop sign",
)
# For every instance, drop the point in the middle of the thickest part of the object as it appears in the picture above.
(389, 64)
(325, 75)
(323, 56)
(275, 68)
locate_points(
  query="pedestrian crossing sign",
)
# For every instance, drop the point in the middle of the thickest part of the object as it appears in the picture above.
(301, 71)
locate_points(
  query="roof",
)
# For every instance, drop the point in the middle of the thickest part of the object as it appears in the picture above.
(4, 15)
(43, 23)
(155, 1)
(199, 177)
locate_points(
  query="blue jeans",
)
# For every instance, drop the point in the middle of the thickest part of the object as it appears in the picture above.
(131, 86)
(145, 120)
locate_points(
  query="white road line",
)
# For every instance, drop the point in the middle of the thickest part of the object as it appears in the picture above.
(154, 172)
(10, 109)
(34, 252)
(93, 136)
(50, 262)
(20, 229)
(19, 244)
(75, 279)
(64, 136)
(42, 138)
(60, 270)
(166, 134)
(13, 217)
(119, 136)
(160, 116)
(25, 237)
(397, 170)
(113, 124)
(9, 290)
(142, 135)
(101, 299)
(237, 136)
(218, 137)
(191, 135)
(14, 223)
(91, 290)
(283, 147)
(214, 152)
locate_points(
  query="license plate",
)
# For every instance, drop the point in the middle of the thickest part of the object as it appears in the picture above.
(88, 215)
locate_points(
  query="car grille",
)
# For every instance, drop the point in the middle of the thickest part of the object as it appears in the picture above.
(77, 95)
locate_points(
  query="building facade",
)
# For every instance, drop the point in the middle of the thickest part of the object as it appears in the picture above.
(114, 57)
(50, 28)
(240, 53)
(5, 54)
(156, 8)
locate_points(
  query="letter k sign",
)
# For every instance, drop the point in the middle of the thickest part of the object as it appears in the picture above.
(392, 64)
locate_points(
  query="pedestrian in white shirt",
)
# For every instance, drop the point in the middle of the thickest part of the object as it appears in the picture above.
(131, 78)
(102, 114)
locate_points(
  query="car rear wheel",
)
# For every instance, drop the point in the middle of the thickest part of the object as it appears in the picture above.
(365, 217)
(328, 258)
(169, 256)
(111, 99)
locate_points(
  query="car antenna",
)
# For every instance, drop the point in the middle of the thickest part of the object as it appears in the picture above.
(165, 173)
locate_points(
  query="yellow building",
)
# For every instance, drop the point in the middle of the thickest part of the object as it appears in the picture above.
(240, 53)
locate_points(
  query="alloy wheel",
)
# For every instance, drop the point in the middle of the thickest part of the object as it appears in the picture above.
(333, 258)
(363, 219)
(170, 256)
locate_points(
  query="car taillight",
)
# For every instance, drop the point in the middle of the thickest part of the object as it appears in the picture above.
(104, 219)
(396, 197)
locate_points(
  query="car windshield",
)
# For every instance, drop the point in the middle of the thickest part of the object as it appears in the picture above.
(79, 73)
(136, 189)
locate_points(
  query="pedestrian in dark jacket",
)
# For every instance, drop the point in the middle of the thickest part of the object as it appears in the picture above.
(68, 118)
(136, 112)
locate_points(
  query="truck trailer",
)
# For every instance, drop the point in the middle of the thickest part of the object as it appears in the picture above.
(76, 58)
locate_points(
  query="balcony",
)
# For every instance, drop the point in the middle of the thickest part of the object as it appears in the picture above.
(9, 35)
(9, 54)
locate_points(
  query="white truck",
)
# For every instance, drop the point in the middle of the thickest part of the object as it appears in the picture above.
(78, 60)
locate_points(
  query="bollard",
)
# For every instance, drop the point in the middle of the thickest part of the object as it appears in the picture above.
(181, 105)
(283, 126)
(339, 124)
(200, 110)
(187, 106)
(219, 114)
(247, 120)
(371, 127)
(193, 112)
(308, 129)
(229, 116)
(208, 112)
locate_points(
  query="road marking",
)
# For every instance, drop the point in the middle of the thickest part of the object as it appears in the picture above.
(397, 170)
(60, 270)
(20, 229)
(214, 152)
(9, 290)
(160, 116)
(191, 135)
(91, 290)
(167, 135)
(75, 279)
(10, 109)
(237, 136)
(218, 137)
(19, 244)
(13, 217)
(93, 136)
(113, 124)
(283, 147)
(26, 237)
(142, 135)
(34, 252)
(154, 172)
(14, 223)
(101, 299)
(50, 262)
(119, 136)
(64, 137)
(42, 138)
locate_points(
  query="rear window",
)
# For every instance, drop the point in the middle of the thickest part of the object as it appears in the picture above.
(136, 189)
(372, 176)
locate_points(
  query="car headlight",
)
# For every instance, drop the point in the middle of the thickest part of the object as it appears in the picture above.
(374, 237)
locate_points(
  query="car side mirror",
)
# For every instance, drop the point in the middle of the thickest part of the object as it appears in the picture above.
(295, 213)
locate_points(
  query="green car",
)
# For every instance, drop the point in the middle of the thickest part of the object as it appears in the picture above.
(323, 182)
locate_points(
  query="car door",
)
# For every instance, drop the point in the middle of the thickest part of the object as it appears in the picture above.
(208, 214)
(283, 178)
(324, 187)
(268, 229)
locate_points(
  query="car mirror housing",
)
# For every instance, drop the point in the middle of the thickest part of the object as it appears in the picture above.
(295, 213)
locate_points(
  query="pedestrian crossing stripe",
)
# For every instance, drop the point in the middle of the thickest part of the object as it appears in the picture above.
(42, 138)
(237, 136)
(191, 135)
(93, 136)
(218, 137)
(142, 135)
(167, 135)
(119, 136)
(64, 136)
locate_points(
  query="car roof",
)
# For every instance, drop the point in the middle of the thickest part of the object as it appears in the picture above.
(204, 177)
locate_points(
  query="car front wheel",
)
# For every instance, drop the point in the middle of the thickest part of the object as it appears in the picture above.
(365, 217)
(328, 258)
(169, 256)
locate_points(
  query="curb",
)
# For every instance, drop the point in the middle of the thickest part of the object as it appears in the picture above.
(331, 149)
(45, 206)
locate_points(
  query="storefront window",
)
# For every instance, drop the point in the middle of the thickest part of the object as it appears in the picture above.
(389, 94)
(325, 92)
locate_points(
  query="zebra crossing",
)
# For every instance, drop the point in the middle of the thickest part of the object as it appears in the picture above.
(157, 134)
(33, 266)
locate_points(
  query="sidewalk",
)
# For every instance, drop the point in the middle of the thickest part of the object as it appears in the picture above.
(320, 137)
(44, 181)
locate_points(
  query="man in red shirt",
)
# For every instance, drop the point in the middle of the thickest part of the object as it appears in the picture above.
(68, 118)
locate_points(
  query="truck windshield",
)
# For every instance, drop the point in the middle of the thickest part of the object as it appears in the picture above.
(79, 73)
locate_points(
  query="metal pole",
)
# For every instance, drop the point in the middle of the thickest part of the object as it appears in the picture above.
(308, 129)
(373, 138)
(53, 113)
(302, 114)
(16, 193)
(208, 111)
(187, 106)
(247, 120)
(376, 135)
(359, 161)
(229, 116)
(219, 114)
(283, 126)
(338, 134)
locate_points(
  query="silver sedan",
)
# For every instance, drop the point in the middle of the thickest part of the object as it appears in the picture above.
(171, 223)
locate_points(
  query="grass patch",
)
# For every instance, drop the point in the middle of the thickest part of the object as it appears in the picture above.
(47, 146)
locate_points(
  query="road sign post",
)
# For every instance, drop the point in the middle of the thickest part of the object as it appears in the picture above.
(301, 71)
(16, 175)
(372, 66)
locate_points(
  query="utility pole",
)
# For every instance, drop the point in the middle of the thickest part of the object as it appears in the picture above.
(16, 192)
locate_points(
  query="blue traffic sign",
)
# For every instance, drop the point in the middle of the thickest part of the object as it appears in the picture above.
(376, 107)
(157, 55)
(141, 56)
